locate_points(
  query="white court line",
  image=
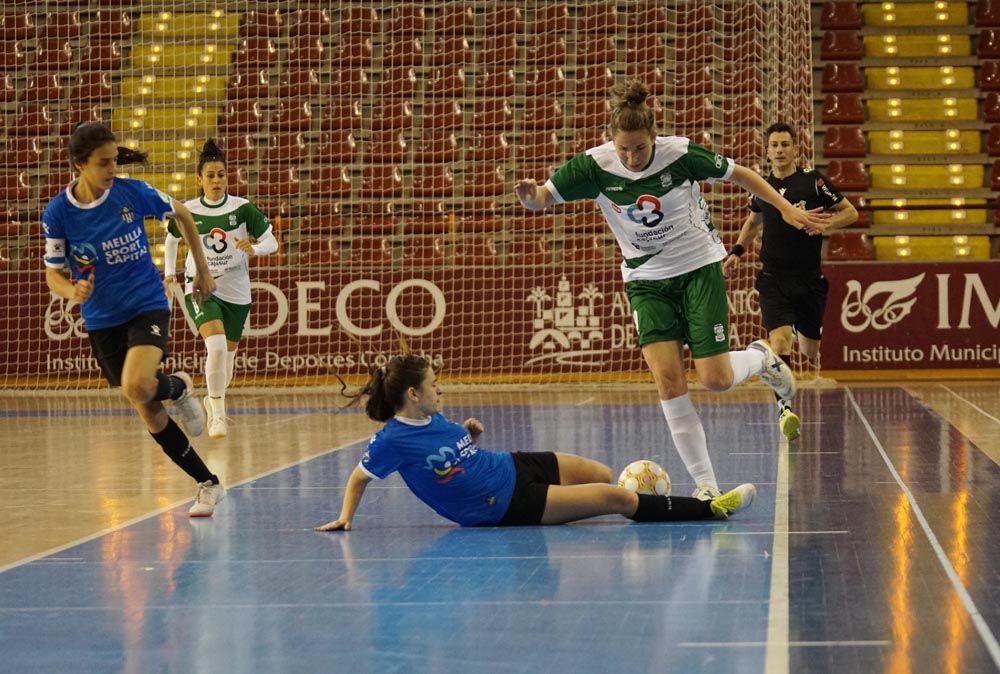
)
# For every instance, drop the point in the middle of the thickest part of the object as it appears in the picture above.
(770, 453)
(789, 533)
(160, 511)
(776, 655)
(584, 402)
(791, 644)
(971, 404)
(970, 606)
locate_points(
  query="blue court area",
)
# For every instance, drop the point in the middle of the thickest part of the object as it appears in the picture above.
(831, 570)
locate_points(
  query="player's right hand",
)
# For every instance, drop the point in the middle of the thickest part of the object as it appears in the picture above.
(730, 264)
(335, 525)
(526, 190)
(83, 289)
(168, 285)
(203, 286)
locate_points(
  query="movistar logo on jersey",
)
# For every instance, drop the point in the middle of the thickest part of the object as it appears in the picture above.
(84, 256)
(444, 464)
(646, 211)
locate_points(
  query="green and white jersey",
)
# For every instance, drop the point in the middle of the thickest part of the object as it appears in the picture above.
(658, 216)
(219, 225)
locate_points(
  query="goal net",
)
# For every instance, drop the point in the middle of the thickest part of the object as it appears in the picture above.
(383, 140)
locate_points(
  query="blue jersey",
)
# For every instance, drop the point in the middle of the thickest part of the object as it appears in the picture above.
(444, 468)
(107, 238)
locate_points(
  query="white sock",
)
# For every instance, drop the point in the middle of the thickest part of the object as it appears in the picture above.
(689, 438)
(215, 373)
(230, 366)
(745, 364)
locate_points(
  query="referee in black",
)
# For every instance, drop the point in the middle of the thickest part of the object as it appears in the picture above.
(791, 284)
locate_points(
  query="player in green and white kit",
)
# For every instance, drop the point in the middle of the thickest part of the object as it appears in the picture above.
(225, 224)
(647, 188)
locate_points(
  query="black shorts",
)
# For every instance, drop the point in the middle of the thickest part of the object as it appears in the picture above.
(533, 473)
(111, 345)
(799, 301)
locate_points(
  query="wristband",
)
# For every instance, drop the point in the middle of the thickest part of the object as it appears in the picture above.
(737, 250)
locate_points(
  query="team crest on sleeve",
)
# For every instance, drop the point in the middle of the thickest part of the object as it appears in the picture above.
(128, 215)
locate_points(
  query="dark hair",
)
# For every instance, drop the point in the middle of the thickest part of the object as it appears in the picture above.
(629, 111)
(210, 151)
(387, 385)
(86, 138)
(130, 156)
(778, 127)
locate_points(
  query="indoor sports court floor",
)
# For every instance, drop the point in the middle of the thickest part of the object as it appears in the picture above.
(871, 545)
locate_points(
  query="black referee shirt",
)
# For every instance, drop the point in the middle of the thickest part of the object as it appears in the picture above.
(785, 249)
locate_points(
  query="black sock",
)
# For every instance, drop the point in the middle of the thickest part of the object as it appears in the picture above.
(168, 387)
(176, 445)
(671, 509)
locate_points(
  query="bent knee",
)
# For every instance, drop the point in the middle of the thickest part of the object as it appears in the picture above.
(621, 500)
(722, 381)
(139, 390)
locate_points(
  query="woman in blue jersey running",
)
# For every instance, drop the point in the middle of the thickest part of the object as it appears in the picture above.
(648, 189)
(442, 465)
(97, 254)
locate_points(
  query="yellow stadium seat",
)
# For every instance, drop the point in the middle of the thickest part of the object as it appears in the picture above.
(943, 77)
(180, 185)
(165, 55)
(194, 120)
(915, 14)
(879, 46)
(922, 109)
(179, 153)
(898, 141)
(959, 247)
(168, 26)
(952, 212)
(927, 176)
(174, 89)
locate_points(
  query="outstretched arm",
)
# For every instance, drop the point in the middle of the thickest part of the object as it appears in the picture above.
(203, 282)
(356, 485)
(812, 222)
(533, 196)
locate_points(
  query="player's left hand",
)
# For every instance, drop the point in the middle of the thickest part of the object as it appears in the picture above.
(474, 426)
(245, 245)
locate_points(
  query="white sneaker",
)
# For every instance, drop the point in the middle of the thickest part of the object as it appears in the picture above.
(187, 408)
(706, 492)
(776, 373)
(218, 426)
(204, 502)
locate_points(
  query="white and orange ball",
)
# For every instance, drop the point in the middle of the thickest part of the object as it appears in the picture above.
(645, 477)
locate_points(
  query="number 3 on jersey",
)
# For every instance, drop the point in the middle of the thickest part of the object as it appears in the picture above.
(215, 240)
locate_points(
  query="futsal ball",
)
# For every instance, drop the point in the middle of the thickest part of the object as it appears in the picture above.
(645, 477)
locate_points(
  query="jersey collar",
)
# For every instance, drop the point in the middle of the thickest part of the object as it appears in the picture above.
(413, 422)
(208, 204)
(93, 204)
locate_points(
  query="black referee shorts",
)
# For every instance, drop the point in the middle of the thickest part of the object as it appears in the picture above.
(533, 473)
(800, 301)
(111, 345)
